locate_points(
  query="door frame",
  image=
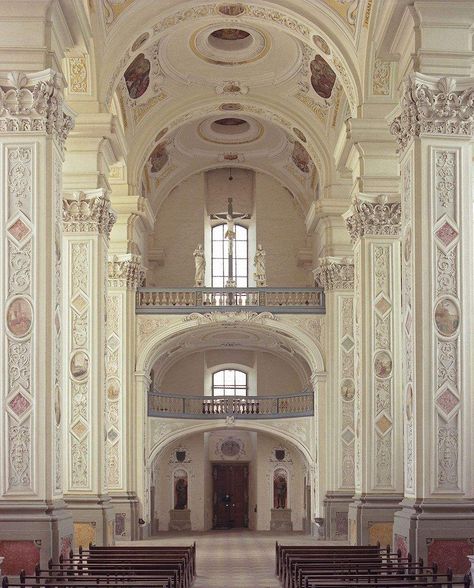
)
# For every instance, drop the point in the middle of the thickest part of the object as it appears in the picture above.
(231, 463)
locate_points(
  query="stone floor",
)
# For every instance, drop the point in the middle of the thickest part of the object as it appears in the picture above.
(233, 559)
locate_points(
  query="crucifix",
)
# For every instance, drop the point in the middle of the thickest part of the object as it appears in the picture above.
(230, 216)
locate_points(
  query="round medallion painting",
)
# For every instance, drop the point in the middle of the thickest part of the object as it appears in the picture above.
(113, 390)
(447, 317)
(79, 365)
(382, 364)
(19, 317)
(347, 389)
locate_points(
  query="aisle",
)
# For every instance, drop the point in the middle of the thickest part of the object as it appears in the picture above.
(233, 559)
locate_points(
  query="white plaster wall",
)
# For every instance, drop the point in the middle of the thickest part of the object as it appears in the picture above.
(281, 231)
(203, 450)
(183, 222)
(194, 465)
(268, 375)
(266, 465)
(179, 227)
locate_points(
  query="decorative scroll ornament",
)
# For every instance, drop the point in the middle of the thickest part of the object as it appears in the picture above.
(34, 102)
(434, 107)
(335, 273)
(88, 211)
(370, 215)
(126, 271)
(230, 317)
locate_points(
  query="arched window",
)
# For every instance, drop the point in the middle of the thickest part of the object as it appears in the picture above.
(220, 256)
(229, 383)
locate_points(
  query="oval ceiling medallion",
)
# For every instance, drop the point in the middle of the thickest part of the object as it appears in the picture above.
(230, 45)
(230, 130)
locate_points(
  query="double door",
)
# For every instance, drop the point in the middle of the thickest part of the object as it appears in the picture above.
(230, 495)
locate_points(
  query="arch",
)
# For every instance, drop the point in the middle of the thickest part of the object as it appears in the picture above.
(309, 349)
(282, 118)
(208, 426)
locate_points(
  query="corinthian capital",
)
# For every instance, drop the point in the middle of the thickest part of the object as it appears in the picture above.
(335, 273)
(34, 102)
(88, 212)
(433, 106)
(373, 215)
(126, 271)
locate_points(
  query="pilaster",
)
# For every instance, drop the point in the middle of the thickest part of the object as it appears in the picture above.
(88, 220)
(125, 275)
(434, 131)
(336, 276)
(374, 225)
(34, 124)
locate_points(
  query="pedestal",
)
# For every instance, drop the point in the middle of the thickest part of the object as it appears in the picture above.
(441, 532)
(371, 519)
(180, 520)
(281, 519)
(336, 508)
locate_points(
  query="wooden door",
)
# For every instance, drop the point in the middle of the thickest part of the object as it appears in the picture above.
(230, 495)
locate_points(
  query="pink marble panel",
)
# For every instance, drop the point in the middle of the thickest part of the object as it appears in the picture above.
(451, 553)
(19, 555)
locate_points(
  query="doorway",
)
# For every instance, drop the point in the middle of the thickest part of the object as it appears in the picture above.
(230, 496)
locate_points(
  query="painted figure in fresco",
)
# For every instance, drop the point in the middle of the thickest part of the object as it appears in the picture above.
(200, 264)
(301, 157)
(181, 494)
(279, 491)
(158, 158)
(137, 76)
(323, 77)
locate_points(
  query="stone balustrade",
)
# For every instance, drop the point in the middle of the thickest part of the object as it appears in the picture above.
(246, 407)
(187, 300)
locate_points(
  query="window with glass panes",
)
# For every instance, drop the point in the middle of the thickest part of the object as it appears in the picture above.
(220, 256)
(229, 383)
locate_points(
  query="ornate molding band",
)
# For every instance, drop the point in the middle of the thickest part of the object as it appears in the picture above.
(34, 102)
(370, 215)
(433, 106)
(126, 271)
(86, 212)
(335, 273)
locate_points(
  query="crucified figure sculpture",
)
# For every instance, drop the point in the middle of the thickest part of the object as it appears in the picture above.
(230, 217)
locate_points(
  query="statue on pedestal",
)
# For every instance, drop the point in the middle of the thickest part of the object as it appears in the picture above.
(200, 264)
(259, 262)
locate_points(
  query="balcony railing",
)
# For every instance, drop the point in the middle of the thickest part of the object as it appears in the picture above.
(242, 407)
(187, 300)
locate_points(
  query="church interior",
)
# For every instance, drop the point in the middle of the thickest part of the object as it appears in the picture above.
(237, 241)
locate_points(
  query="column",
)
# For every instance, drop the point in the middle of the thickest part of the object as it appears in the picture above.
(318, 468)
(88, 221)
(125, 275)
(336, 275)
(374, 225)
(434, 131)
(34, 124)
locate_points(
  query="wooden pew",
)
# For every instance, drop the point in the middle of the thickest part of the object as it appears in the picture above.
(324, 566)
(134, 567)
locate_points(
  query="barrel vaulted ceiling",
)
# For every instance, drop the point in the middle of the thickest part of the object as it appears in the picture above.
(199, 85)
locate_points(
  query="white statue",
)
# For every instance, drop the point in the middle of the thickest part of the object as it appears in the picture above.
(200, 264)
(259, 262)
